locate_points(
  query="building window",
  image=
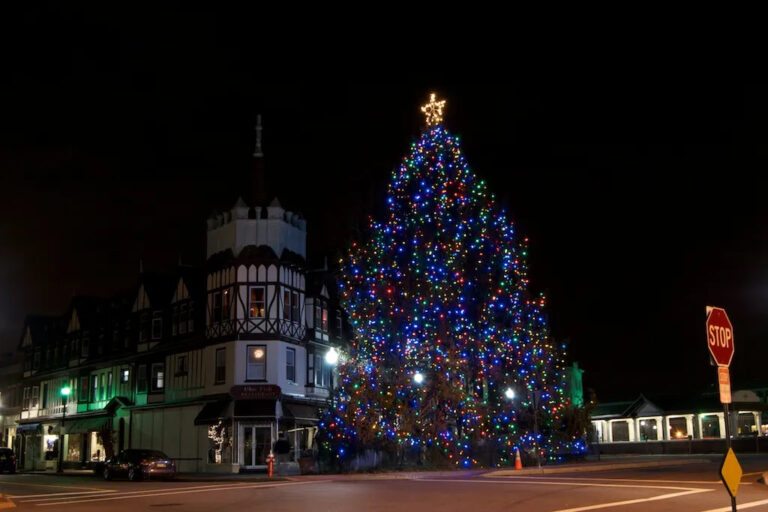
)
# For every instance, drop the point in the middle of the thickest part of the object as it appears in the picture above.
(318, 317)
(109, 385)
(324, 322)
(256, 305)
(25, 399)
(83, 389)
(190, 318)
(216, 307)
(290, 364)
(95, 387)
(181, 365)
(226, 300)
(103, 388)
(158, 377)
(294, 306)
(183, 317)
(322, 372)
(338, 324)
(257, 363)
(175, 321)
(141, 384)
(220, 374)
(157, 325)
(125, 375)
(45, 396)
(144, 327)
(286, 305)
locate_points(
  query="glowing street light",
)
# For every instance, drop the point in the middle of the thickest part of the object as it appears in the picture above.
(332, 356)
(509, 393)
(418, 378)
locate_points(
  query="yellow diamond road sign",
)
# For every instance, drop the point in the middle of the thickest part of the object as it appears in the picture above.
(730, 472)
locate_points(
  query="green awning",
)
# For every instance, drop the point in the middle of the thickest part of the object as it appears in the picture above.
(85, 425)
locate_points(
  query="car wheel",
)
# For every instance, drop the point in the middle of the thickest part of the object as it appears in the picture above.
(107, 474)
(134, 475)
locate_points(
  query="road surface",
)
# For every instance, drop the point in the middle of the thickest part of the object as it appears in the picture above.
(690, 487)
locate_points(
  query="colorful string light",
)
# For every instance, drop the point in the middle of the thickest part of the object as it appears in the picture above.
(450, 347)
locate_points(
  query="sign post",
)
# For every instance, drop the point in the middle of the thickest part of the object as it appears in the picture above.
(720, 345)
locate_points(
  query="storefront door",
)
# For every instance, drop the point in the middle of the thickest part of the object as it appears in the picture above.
(257, 441)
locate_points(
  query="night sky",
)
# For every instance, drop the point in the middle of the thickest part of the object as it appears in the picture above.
(642, 194)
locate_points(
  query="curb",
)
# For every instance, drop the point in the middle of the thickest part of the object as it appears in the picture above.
(592, 468)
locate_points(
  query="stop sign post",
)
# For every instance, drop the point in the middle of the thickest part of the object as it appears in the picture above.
(720, 345)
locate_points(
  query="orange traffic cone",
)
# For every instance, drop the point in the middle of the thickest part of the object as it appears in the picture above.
(518, 462)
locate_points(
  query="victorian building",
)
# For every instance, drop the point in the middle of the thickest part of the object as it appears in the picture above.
(211, 365)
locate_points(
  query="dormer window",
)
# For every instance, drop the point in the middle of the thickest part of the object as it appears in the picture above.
(175, 321)
(321, 318)
(157, 325)
(221, 302)
(144, 327)
(183, 316)
(256, 305)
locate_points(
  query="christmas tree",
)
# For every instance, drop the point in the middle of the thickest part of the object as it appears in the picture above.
(451, 356)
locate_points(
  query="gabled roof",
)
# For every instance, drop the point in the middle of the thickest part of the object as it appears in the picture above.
(40, 330)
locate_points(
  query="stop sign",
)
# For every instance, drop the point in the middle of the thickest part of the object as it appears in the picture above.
(720, 337)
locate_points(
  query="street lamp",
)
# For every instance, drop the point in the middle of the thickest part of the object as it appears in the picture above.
(65, 391)
(332, 356)
(418, 377)
(509, 393)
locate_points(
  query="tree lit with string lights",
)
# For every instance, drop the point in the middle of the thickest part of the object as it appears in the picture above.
(452, 359)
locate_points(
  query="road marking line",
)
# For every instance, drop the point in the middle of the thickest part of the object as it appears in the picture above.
(708, 482)
(639, 500)
(51, 485)
(209, 488)
(739, 506)
(550, 482)
(61, 495)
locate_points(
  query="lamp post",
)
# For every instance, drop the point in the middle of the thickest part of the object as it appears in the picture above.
(64, 395)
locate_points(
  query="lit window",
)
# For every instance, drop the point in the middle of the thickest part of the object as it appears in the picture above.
(256, 307)
(109, 385)
(324, 323)
(257, 363)
(125, 375)
(158, 376)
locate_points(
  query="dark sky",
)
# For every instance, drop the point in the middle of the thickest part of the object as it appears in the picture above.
(642, 193)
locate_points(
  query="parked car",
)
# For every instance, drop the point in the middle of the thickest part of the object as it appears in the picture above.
(7, 460)
(137, 464)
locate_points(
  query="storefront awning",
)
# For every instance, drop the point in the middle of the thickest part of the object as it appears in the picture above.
(212, 412)
(300, 412)
(28, 427)
(255, 408)
(85, 425)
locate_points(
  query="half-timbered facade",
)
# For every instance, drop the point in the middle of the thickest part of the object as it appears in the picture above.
(212, 365)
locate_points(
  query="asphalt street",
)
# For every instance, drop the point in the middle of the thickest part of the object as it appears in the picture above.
(690, 487)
